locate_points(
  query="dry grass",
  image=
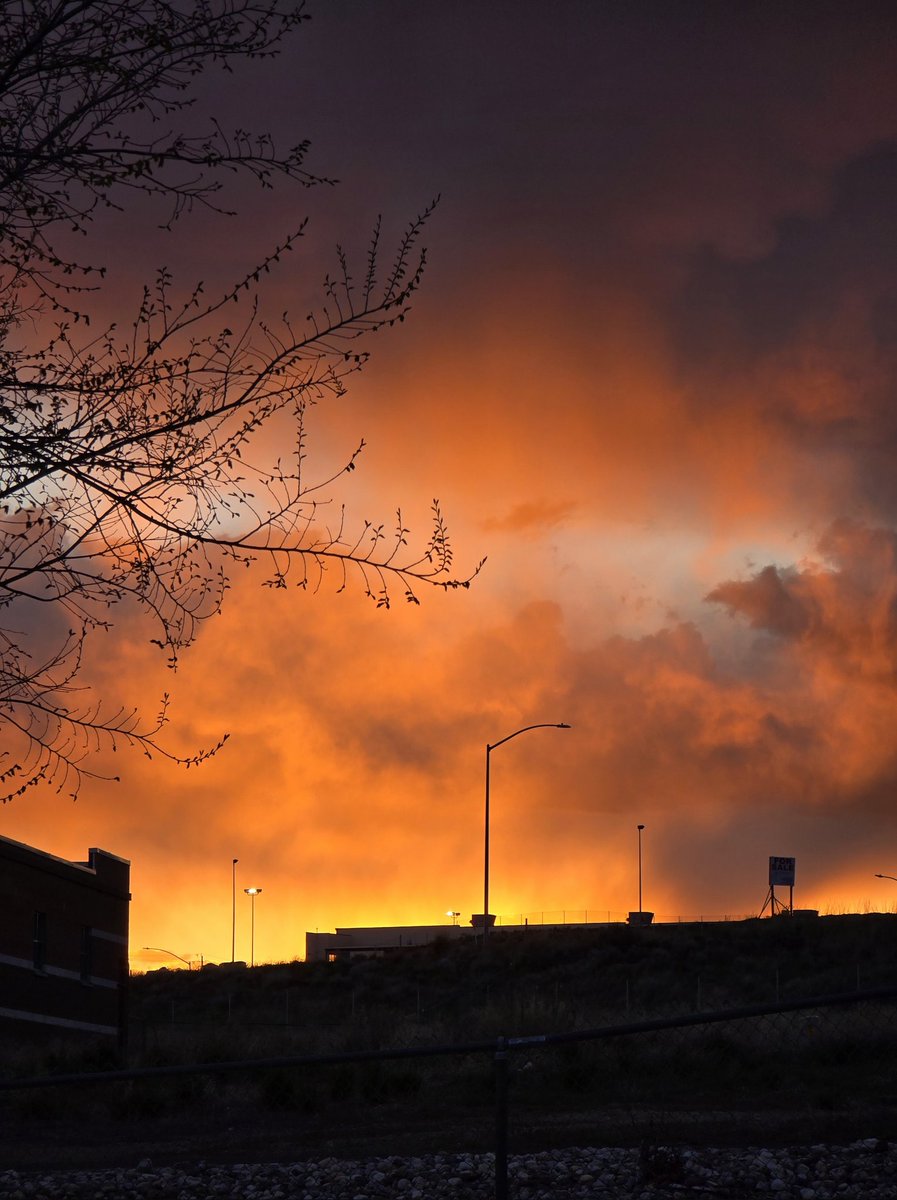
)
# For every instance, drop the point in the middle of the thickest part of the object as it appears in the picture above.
(799, 1072)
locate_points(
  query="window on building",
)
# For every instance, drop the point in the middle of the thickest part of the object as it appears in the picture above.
(86, 953)
(40, 941)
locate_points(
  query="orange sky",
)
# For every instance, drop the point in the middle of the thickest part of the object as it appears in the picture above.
(650, 375)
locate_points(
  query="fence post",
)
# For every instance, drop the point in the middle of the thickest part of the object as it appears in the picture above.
(501, 1119)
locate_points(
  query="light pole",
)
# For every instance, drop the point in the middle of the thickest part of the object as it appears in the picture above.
(489, 749)
(640, 828)
(233, 906)
(252, 893)
(171, 954)
(454, 915)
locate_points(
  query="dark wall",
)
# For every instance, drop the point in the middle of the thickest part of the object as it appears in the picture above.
(63, 938)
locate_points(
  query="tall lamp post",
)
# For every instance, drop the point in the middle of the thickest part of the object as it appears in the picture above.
(489, 749)
(640, 828)
(233, 910)
(252, 893)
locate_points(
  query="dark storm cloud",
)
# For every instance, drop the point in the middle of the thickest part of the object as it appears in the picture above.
(733, 310)
(766, 601)
(843, 609)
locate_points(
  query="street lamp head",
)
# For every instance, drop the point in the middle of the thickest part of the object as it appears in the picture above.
(563, 725)
(253, 891)
(641, 827)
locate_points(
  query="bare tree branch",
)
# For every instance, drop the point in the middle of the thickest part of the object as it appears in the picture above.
(141, 465)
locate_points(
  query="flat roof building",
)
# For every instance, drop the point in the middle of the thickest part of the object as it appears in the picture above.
(381, 939)
(63, 941)
(346, 943)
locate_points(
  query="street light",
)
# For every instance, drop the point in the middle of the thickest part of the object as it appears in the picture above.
(454, 915)
(252, 893)
(640, 828)
(233, 918)
(171, 954)
(489, 749)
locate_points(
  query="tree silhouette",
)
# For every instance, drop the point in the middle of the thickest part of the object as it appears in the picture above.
(136, 464)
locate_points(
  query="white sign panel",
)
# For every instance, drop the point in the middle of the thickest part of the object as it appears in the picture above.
(781, 871)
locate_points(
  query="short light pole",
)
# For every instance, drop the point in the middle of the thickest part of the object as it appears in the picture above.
(640, 828)
(489, 750)
(171, 954)
(233, 906)
(454, 915)
(252, 893)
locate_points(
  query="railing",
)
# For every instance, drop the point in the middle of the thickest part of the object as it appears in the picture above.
(602, 916)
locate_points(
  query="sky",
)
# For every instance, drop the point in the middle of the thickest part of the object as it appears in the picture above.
(650, 375)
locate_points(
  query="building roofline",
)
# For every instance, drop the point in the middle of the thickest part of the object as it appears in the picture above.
(107, 854)
(86, 867)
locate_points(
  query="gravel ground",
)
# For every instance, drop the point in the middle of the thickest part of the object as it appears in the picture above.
(864, 1170)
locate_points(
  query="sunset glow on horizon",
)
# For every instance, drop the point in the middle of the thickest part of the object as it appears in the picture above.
(651, 375)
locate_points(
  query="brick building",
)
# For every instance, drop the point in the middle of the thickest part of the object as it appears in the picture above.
(63, 941)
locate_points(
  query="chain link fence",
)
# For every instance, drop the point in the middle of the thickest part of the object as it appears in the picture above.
(797, 1071)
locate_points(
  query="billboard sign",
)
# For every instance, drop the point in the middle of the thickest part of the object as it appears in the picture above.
(781, 871)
